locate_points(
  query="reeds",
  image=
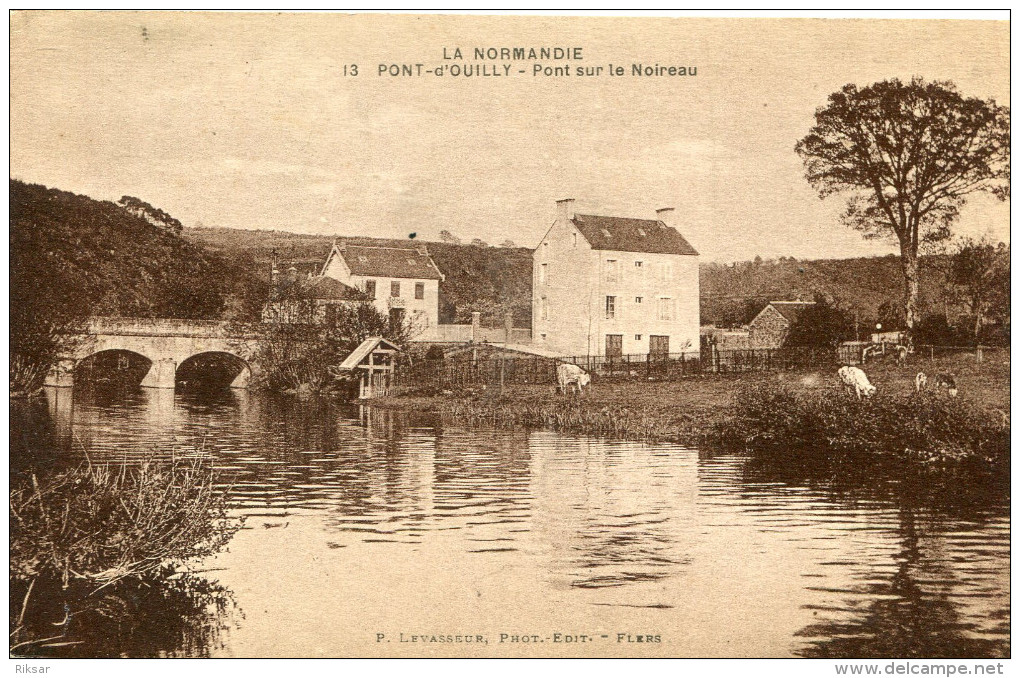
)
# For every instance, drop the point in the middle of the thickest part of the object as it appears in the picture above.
(583, 417)
(90, 529)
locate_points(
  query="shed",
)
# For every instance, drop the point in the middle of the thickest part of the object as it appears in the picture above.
(373, 360)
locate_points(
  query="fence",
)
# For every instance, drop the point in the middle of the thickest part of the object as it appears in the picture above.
(503, 369)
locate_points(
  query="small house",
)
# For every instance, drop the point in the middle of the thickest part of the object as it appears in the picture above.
(313, 300)
(401, 282)
(771, 326)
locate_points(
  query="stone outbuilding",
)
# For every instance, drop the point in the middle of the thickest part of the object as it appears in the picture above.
(771, 326)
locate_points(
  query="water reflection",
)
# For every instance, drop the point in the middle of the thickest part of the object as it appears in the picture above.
(360, 506)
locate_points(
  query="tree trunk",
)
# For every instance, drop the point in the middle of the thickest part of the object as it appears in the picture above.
(911, 286)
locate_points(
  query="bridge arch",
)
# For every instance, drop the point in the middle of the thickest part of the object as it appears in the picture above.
(213, 369)
(167, 343)
(111, 366)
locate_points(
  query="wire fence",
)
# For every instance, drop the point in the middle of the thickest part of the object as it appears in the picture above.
(471, 369)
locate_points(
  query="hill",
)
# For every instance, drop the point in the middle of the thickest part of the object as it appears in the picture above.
(490, 280)
(731, 294)
(101, 259)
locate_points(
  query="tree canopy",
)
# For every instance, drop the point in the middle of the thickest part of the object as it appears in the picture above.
(907, 155)
(979, 270)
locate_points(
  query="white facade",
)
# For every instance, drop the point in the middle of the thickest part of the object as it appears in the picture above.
(418, 298)
(644, 302)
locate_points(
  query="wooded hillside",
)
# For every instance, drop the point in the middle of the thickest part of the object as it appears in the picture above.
(101, 259)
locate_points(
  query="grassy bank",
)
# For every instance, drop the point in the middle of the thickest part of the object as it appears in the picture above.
(768, 413)
(92, 548)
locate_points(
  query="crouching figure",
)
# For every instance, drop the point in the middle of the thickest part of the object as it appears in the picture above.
(855, 382)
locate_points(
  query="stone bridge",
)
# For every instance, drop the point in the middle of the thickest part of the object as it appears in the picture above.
(165, 342)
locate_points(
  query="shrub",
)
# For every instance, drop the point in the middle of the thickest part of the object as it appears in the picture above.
(930, 428)
(84, 534)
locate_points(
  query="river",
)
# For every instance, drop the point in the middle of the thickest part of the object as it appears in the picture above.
(372, 532)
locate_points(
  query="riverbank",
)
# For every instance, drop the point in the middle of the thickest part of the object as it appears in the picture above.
(99, 546)
(720, 409)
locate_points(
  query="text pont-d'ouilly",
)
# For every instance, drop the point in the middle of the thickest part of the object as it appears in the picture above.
(537, 69)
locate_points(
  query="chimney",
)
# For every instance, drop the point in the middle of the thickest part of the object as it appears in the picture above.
(666, 215)
(565, 209)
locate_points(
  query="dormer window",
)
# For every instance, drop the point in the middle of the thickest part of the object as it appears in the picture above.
(410, 262)
(606, 233)
(363, 259)
(642, 233)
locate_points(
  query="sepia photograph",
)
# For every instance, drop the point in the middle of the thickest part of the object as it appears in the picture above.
(420, 335)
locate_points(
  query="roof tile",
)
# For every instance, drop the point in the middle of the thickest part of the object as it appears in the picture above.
(632, 235)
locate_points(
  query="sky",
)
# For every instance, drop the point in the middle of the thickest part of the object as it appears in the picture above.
(248, 121)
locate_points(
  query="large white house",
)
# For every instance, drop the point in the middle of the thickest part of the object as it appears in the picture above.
(615, 286)
(402, 282)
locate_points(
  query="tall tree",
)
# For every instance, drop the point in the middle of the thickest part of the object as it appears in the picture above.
(980, 272)
(908, 155)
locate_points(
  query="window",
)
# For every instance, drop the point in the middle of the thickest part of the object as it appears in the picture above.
(637, 337)
(610, 307)
(638, 264)
(394, 289)
(665, 310)
(611, 270)
(370, 289)
(419, 290)
(574, 236)
(543, 274)
(638, 300)
(667, 271)
(543, 336)
(544, 309)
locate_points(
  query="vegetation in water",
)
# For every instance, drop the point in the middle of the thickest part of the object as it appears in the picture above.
(98, 546)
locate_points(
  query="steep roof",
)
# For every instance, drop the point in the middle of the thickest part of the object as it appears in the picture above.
(364, 348)
(318, 287)
(790, 309)
(389, 262)
(631, 235)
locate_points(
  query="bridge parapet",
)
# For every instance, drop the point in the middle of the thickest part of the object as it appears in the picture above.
(158, 327)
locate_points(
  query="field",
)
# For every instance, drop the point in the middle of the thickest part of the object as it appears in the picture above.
(694, 410)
